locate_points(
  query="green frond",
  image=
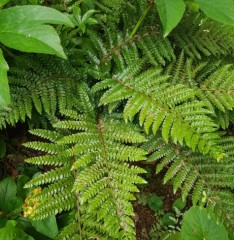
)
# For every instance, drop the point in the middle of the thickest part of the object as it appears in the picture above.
(46, 134)
(97, 157)
(213, 86)
(50, 160)
(68, 232)
(39, 86)
(218, 88)
(122, 132)
(157, 49)
(45, 147)
(223, 119)
(196, 174)
(55, 188)
(203, 37)
(112, 8)
(49, 177)
(52, 205)
(161, 106)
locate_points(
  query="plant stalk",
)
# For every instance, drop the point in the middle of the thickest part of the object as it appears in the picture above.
(140, 21)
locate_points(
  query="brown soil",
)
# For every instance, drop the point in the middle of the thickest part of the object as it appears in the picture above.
(145, 217)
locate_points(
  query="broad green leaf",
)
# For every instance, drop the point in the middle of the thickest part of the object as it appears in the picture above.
(219, 10)
(166, 219)
(24, 28)
(170, 12)
(47, 226)
(12, 232)
(175, 236)
(155, 202)
(179, 204)
(7, 194)
(4, 87)
(198, 224)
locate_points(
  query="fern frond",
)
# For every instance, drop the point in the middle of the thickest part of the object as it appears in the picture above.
(46, 134)
(218, 88)
(52, 205)
(94, 176)
(157, 49)
(213, 84)
(49, 177)
(40, 87)
(100, 174)
(68, 232)
(195, 174)
(203, 37)
(165, 107)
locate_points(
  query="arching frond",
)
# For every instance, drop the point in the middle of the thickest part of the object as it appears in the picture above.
(208, 181)
(173, 109)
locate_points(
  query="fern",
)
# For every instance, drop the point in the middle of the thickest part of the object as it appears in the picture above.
(45, 80)
(203, 37)
(91, 171)
(173, 94)
(159, 104)
(158, 50)
(218, 88)
(149, 94)
(213, 84)
(197, 174)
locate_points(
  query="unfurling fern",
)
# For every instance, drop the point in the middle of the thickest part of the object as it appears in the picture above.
(91, 174)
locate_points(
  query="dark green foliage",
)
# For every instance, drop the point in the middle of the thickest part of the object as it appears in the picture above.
(118, 100)
(204, 37)
(155, 203)
(179, 204)
(166, 219)
(44, 86)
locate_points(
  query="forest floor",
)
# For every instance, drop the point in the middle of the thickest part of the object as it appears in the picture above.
(13, 165)
(145, 217)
